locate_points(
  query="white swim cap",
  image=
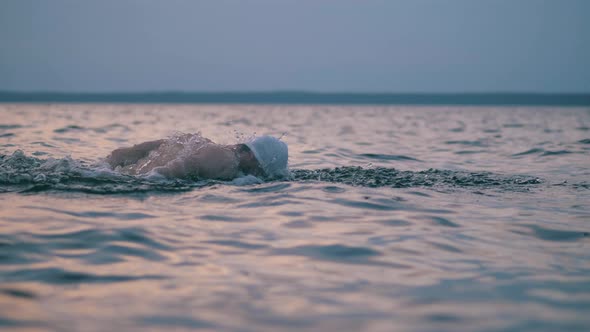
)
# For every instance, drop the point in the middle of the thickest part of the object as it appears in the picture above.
(272, 155)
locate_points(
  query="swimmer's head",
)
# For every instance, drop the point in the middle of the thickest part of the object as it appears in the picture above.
(271, 155)
(248, 163)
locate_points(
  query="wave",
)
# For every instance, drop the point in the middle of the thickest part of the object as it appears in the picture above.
(27, 174)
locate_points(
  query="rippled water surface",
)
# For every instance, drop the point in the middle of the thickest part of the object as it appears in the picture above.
(394, 219)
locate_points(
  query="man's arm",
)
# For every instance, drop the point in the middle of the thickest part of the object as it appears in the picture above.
(209, 162)
(127, 156)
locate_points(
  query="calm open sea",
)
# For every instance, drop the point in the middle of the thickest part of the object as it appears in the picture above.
(395, 219)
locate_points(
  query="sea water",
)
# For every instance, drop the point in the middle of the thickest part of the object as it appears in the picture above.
(394, 218)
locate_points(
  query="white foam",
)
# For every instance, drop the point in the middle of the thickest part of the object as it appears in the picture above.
(246, 180)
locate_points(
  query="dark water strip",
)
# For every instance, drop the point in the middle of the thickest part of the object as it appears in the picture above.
(304, 97)
(391, 177)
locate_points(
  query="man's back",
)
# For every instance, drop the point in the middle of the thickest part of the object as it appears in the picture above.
(181, 156)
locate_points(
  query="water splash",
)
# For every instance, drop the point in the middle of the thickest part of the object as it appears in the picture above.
(22, 173)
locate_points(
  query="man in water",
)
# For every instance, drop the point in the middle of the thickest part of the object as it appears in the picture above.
(191, 156)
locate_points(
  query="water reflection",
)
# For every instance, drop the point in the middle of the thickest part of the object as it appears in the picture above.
(476, 243)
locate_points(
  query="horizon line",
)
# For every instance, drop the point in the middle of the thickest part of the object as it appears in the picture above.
(301, 91)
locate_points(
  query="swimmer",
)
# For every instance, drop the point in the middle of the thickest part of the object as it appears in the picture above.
(191, 156)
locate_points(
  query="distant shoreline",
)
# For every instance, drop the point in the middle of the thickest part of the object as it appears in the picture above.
(476, 99)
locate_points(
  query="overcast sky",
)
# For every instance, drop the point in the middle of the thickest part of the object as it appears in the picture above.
(317, 45)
